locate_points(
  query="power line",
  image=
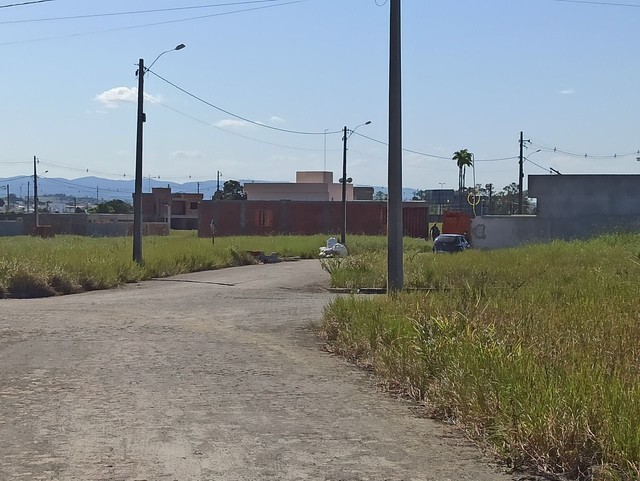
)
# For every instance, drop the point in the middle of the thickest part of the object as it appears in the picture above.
(204, 122)
(546, 169)
(135, 12)
(24, 3)
(610, 4)
(555, 150)
(85, 187)
(87, 171)
(131, 27)
(245, 119)
(432, 155)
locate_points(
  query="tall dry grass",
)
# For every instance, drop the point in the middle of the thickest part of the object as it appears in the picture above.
(35, 267)
(534, 350)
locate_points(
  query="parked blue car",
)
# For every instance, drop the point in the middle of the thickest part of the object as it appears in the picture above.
(450, 243)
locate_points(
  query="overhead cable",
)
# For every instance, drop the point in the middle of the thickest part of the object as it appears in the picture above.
(245, 119)
(555, 150)
(204, 122)
(135, 12)
(131, 27)
(24, 3)
(609, 4)
(432, 155)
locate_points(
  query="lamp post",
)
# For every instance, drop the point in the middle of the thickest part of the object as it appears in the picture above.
(137, 196)
(521, 176)
(346, 134)
(324, 165)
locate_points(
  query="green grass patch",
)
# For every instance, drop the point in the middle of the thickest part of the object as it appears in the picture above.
(535, 350)
(36, 267)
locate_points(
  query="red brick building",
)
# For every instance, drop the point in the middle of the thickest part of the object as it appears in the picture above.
(246, 217)
(179, 209)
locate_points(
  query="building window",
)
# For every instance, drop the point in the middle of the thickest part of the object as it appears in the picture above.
(264, 218)
(194, 206)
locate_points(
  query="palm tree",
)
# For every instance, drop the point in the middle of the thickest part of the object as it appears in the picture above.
(464, 159)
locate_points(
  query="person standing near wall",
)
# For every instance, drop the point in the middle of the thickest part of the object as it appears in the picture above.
(435, 232)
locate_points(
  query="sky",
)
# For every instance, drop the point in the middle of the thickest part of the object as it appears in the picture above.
(475, 73)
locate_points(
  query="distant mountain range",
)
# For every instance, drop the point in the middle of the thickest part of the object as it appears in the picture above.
(108, 189)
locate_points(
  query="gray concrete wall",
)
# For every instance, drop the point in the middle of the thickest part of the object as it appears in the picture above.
(74, 224)
(579, 196)
(11, 228)
(569, 207)
(502, 231)
(112, 229)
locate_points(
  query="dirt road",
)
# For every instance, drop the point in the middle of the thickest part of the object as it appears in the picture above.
(207, 376)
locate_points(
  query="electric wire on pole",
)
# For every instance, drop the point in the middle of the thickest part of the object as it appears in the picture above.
(521, 174)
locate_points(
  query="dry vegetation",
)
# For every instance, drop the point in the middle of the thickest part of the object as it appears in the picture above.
(534, 350)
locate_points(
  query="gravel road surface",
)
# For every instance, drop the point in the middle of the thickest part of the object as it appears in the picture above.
(208, 376)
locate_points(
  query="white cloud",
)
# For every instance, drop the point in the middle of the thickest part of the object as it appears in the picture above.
(187, 155)
(230, 123)
(567, 92)
(277, 120)
(112, 98)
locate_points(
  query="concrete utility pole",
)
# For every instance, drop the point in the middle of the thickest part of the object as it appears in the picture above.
(521, 176)
(395, 272)
(490, 198)
(137, 195)
(35, 194)
(343, 180)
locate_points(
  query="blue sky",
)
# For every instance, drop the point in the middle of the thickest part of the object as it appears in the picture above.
(475, 73)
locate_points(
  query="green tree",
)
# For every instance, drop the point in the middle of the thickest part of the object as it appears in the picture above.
(419, 195)
(115, 206)
(231, 190)
(463, 159)
(380, 196)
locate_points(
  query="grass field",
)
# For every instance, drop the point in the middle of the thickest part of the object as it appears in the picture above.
(535, 350)
(35, 267)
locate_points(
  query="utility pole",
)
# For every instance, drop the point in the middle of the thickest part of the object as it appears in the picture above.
(8, 198)
(521, 177)
(35, 194)
(218, 182)
(395, 273)
(343, 233)
(198, 184)
(490, 198)
(28, 193)
(137, 196)
(97, 194)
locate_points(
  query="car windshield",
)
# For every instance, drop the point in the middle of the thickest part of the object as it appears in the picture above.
(447, 239)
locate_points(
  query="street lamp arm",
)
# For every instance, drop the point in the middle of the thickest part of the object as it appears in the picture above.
(351, 132)
(177, 47)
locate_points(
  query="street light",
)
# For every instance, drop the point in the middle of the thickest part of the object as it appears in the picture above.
(521, 176)
(137, 196)
(324, 165)
(346, 134)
